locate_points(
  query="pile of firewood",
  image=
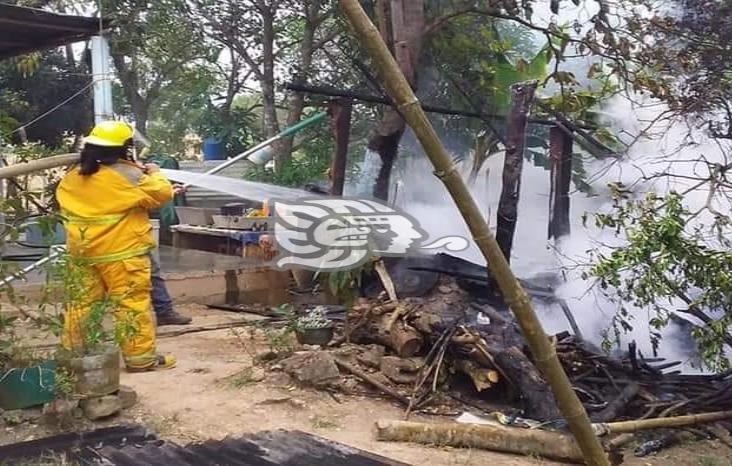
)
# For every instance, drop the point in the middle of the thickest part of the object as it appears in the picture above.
(446, 332)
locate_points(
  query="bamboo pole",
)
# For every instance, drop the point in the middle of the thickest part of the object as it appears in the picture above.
(544, 352)
(661, 422)
(25, 168)
(551, 445)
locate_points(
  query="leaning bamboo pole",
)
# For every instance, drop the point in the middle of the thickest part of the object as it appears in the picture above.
(661, 422)
(544, 353)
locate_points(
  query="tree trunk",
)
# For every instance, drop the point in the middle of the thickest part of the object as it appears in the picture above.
(340, 114)
(407, 25)
(269, 103)
(560, 149)
(522, 96)
(383, 19)
(307, 49)
(551, 368)
(387, 146)
(140, 109)
(130, 86)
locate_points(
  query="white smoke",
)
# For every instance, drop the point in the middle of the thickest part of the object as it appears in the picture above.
(656, 147)
(667, 147)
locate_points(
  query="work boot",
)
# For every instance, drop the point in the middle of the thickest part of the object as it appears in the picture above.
(161, 362)
(173, 318)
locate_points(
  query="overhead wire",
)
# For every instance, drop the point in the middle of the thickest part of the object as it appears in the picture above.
(91, 83)
(50, 111)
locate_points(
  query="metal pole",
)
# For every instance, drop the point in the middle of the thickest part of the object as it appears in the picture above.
(53, 254)
(103, 109)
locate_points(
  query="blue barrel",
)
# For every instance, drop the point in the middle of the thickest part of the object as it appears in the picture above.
(213, 149)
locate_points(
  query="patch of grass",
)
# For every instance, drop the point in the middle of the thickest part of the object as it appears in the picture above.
(322, 423)
(280, 341)
(12, 419)
(714, 461)
(241, 379)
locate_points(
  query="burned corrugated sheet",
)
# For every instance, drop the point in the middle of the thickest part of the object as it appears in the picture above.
(76, 441)
(286, 448)
(133, 445)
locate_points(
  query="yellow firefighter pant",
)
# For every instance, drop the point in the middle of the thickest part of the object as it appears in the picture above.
(128, 284)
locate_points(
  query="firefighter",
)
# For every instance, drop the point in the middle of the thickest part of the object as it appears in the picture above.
(105, 203)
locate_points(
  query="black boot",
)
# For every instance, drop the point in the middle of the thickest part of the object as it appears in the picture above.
(173, 318)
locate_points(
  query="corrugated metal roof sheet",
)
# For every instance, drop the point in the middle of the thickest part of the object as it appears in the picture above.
(134, 446)
(23, 30)
(286, 448)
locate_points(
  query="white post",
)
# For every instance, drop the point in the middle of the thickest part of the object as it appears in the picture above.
(102, 79)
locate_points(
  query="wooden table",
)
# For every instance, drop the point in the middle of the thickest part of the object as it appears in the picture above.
(211, 239)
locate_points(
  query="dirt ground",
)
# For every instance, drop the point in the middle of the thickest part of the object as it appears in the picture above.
(214, 393)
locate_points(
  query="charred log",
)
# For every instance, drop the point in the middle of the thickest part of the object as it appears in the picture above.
(534, 392)
(402, 338)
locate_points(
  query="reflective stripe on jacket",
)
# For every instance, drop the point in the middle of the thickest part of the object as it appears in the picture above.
(106, 214)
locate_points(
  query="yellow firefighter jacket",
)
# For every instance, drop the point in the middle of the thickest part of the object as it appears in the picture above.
(106, 214)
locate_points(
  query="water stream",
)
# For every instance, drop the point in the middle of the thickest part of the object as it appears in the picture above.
(244, 189)
(363, 184)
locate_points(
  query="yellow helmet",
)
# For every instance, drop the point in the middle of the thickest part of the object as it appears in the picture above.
(110, 134)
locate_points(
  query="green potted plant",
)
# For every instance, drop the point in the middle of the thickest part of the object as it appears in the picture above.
(314, 328)
(94, 361)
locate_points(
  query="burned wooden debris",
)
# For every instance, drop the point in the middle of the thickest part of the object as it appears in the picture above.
(447, 330)
(441, 341)
(634, 387)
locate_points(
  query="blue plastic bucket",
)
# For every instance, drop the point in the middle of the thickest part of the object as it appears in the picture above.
(213, 149)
